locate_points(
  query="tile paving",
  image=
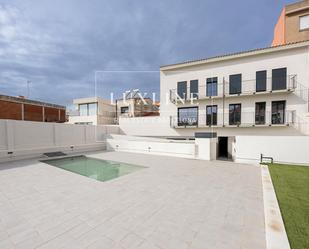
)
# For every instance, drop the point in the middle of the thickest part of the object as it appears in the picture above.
(174, 203)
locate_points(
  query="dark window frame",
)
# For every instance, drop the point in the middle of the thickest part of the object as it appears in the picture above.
(195, 93)
(188, 123)
(182, 93)
(235, 86)
(277, 115)
(235, 117)
(212, 86)
(279, 82)
(124, 108)
(261, 81)
(212, 119)
(260, 114)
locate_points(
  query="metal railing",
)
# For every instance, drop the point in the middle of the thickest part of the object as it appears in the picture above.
(243, 119)
(268, 159)
(77, 113)
(224, 89)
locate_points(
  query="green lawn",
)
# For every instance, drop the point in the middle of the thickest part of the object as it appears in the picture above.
(292, 189)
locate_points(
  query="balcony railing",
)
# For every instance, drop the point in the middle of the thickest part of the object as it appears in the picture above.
(248, 87)
(243, 119)
(77, 113)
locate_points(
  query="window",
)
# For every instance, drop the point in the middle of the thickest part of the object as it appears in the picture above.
(279, 79)
(212, 86)
(88, 109)
(211, 115)
(83, 110)
(194, 89)
(260, 108)
(261, 77)
(124, 109)
(188, 116)
(304, 22)
(182, 89)
(234, 114)
(278, 112)
(235, 84)
(92, 109)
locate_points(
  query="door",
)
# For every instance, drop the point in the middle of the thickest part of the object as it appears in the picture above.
(223, 147)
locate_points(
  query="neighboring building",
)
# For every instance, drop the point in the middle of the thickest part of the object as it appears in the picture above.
(134, 106)
(293, 24)
(20, 108)
(257, 92)
(94, 111)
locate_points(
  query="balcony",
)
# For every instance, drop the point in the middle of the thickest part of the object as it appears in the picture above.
(225, 90)
(243, 119)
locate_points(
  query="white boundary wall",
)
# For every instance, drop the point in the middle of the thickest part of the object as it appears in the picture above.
(283, 149)
(147, 126)
(19, 139)
(155, 146)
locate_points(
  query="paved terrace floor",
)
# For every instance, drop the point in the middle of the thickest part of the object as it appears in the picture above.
(173, 204)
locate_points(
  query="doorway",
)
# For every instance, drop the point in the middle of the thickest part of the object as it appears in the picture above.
(223, 148)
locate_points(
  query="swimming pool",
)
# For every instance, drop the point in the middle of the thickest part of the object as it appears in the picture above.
(101, 170)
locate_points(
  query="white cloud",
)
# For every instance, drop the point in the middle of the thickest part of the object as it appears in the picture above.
(23, 42)
(8, 17)
(59, 44)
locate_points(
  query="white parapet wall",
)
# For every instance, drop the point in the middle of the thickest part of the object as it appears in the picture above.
(283, 149)
(156, 146)
(20, 139)
(147, 126)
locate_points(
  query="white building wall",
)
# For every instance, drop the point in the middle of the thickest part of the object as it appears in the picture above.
(3, 136)
(160, 126)
(126, 103)
(106, 112)
(284, 143)
(295, 60)
(284, 149)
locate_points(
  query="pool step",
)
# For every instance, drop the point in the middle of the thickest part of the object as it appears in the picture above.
(54, 154)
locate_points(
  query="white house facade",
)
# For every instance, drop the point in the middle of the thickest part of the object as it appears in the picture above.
(235, 106)
(257, 92)
(261, 92)
(93, 111)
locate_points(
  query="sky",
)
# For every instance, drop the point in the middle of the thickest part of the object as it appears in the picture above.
(65, 48)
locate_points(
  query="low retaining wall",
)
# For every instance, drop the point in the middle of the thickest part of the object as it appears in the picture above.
(154, 146)
(147, 126)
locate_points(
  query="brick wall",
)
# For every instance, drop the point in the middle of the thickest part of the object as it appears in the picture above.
(13, 110)
(62, 116)
(51, 114)
(10, 110)
(33, 113)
